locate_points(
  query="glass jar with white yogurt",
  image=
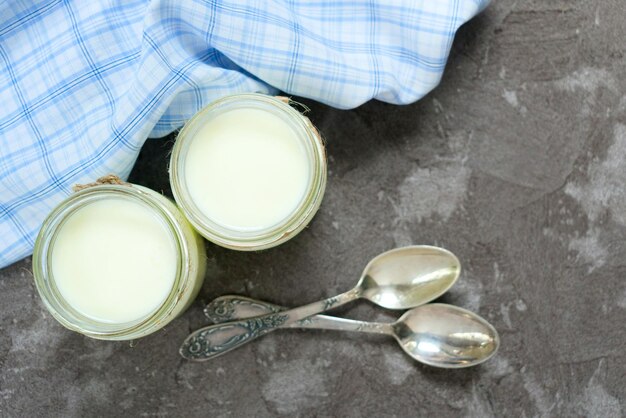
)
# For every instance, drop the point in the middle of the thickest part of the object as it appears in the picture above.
(117, 262)
(248, 171)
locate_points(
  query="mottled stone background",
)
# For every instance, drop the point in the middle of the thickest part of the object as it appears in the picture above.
(516, 162)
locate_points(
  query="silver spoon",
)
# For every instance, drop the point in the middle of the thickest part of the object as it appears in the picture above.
(396, 279)
(435, 334)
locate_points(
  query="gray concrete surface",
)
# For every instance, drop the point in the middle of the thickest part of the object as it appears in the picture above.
(517, 163)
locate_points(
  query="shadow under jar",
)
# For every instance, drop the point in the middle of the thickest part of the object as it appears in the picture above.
(117, 262)
(248, 171)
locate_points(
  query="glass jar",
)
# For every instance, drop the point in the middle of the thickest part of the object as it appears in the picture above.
(190, 260)
(289, 226)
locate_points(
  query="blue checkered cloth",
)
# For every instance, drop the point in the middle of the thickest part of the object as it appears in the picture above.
(84, 83)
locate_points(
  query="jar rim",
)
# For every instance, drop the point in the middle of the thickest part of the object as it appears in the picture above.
(294, 222)
(67, 315)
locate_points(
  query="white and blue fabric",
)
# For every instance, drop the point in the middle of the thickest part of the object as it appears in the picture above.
(84, 83)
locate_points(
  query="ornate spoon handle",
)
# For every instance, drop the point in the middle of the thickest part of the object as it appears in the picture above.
(232, 307)
(212, 341)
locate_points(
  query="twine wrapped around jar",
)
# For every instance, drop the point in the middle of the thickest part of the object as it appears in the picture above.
(108, 179)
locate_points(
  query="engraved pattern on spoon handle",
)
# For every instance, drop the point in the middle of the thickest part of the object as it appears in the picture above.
(233, 307)
(230, 307)
(212, 341)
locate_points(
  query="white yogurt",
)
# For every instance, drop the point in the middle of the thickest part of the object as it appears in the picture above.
(246, 169)
(114, 260)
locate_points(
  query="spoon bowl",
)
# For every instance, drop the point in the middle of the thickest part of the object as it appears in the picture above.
(410, 276)
(446, 336)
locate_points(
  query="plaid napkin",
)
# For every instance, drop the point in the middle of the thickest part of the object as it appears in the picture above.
(84, 83)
